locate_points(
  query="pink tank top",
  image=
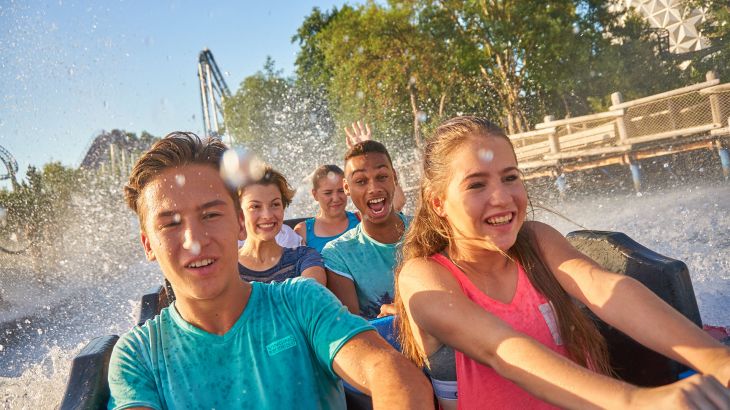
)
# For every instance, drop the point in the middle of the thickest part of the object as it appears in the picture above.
(530, 313)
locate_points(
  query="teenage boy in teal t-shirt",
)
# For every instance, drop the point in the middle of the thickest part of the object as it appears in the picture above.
(227, 343)
(360, 263)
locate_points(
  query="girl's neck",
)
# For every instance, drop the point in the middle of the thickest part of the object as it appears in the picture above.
(478, 257)
(261, 251)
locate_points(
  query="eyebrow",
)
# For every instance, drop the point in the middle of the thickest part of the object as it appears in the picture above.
(483, 174)
(377, 167)
(210, 204)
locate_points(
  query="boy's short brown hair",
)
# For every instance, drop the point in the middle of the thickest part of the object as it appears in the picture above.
(175, 150)
(271, 176)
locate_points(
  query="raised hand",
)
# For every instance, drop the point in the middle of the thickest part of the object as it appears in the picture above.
(360, 132)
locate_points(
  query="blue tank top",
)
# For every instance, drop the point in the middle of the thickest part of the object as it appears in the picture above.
(318, 242)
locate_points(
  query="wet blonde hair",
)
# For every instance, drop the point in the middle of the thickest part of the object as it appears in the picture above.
(430, 233)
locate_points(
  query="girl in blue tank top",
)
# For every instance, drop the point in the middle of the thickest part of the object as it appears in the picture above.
(332, 220)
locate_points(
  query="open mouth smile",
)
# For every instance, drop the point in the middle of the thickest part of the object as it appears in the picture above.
(501, 219)
(377, 206)
(200, 264)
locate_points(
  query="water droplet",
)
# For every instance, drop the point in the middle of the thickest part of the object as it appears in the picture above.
(192, 245)
(40, 331)
(360, 95)
(1, 348)
(235, 167)
(14, 237)
(176, 217)
(360, 50)
(412, 80)
(421, 116)
(346, 38)
(180, 179)
(331, 176)
(485, 155)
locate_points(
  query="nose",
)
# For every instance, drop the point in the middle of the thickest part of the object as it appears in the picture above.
(500, 195)
(195, 236)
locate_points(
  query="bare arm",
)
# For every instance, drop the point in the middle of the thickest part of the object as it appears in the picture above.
(344, 289)
(626, 304)
(316, 273)
(301, 230)
(438, 309)
(369, 363)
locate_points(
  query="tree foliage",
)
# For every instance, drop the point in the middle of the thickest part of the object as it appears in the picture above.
(404, 65)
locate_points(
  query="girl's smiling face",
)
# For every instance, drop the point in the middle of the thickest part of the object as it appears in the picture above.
(263, 211)
(485, 201)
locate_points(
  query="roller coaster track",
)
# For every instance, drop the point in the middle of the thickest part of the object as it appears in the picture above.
(11, 165)
(213, 92)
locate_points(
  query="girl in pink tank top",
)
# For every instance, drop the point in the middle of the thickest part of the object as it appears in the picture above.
(529, 313)
(478, 278)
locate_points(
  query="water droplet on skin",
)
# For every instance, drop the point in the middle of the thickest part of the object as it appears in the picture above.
(486, 155)
(180, 180)
(331, 176)
(192, 245)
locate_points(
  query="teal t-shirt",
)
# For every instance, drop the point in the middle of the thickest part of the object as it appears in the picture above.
(368, 263)
(278, 355)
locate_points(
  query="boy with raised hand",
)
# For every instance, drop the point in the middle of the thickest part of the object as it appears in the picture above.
(227, 343)
(360, 263)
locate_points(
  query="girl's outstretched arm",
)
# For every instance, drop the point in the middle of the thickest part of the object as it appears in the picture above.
(438, 312)
(626, 304)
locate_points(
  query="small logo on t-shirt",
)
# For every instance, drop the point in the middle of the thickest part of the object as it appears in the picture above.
(549, 314)
(280, 345)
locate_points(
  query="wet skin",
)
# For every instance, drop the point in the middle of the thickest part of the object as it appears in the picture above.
(485, 200)
(191, 230)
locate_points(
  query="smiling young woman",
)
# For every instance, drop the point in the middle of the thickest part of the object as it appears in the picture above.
(499, 290)
(261, 258)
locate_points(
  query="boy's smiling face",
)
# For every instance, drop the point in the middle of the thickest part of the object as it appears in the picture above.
(370, 182)
(191, 229)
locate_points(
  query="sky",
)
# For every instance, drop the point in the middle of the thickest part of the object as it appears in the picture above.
(69, 69)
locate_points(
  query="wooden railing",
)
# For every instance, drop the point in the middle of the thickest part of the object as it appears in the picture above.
(687, 118)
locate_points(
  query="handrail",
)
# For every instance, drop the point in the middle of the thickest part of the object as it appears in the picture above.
(667, 94)
(583, 118)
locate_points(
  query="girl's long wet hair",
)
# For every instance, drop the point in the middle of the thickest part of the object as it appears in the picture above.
(430, 233)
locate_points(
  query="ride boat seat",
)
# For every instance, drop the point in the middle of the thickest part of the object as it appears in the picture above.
(668, 278)
(87, 387)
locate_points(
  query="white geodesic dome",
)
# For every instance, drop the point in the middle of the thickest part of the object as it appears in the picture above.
(681, 22)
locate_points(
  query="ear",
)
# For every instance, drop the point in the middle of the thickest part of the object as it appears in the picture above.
(149, 253)
(438, 206)
(346, 186)
(314, 194)
(395, 176)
